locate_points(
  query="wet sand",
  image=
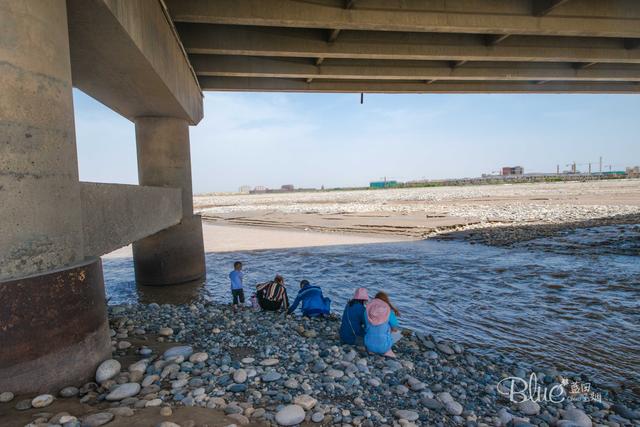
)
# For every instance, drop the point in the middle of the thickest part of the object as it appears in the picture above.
(10, 417)
(293, 220)
(231, 238)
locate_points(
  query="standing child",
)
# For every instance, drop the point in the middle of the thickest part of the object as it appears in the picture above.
(236, 284)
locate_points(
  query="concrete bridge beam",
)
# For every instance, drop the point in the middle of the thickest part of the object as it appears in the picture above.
(115, 215)
(53, 323)
(174, 255)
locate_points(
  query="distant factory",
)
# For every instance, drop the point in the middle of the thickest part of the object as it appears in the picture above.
(515, 170)
(516, 174)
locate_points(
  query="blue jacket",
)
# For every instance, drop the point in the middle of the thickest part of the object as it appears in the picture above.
(353, 322)
(377, 338)
(313, 302)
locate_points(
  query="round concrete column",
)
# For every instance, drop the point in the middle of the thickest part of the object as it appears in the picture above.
(41, 225)
(54, 328)
(174, 255)
(53, 321)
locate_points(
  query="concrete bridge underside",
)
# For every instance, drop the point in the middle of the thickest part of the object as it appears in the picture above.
(148, 61)
(421, 46)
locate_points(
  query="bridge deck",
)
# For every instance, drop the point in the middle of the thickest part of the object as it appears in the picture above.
(581, 46)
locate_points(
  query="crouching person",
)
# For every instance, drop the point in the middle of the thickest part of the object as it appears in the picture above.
(313, 302)
(353, 318)
(272, 296)
(381, 331)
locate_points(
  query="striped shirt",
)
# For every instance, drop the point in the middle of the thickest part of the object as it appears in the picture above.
(273, 292)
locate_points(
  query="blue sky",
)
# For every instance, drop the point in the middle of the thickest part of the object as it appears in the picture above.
(311, 140)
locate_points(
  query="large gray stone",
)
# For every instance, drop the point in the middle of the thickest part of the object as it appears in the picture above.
(577, 417)
(334, 373)
(269, 362)
(181, 350)
(123, 391)
(107, 370)
(453, 407)
(96, 420)
(122, 411)
(305, 401)
(23, 405)
(445, 349)
(271, 376)
(240, 376)
(290, 415)
(198, 357)
(42, 401)
(68, 392)
(445, 397)
(625, 412)
(431, 403)
(505, 416)
(404, 414)
(529, 407)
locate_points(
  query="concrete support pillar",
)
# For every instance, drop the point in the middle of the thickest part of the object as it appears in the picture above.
(41, 224)
(52, 306)
(174, 255)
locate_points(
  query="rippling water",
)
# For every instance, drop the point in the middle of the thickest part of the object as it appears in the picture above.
(571, 301)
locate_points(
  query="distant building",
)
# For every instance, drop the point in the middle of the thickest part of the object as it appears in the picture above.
(245, 189)
(287, 187)
(515, 170)
(259, 189)
(383, 184)
(633, 172)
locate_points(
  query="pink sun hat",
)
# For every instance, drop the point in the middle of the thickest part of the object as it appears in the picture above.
(361, 294)
(378, 312)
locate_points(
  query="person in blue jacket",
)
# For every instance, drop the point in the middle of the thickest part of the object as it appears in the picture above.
(381, 330)
(313, 302)
(353, 318)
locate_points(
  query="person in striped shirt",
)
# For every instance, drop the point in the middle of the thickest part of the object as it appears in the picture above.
(272, 296)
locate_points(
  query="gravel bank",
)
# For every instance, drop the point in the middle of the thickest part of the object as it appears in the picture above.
(266, 369)
(508, 235)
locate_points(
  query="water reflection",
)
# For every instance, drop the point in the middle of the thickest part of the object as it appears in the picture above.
(184, 293)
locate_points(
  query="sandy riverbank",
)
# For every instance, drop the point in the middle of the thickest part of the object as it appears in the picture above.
(425, 212)
(222, 237)
(496, 214)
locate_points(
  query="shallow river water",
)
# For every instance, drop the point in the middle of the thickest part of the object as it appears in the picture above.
(571, 301)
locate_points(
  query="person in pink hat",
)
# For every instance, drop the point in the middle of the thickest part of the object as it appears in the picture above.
(353, 318)
(381, 323)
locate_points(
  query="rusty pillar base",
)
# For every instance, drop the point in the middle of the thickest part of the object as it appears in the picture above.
(171, 256)
(53, 329)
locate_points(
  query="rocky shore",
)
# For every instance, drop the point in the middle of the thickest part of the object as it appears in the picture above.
(257, 368)
(510, 234)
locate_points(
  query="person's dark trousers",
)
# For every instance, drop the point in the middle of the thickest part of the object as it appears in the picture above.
(267, 305)
(238, 295)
